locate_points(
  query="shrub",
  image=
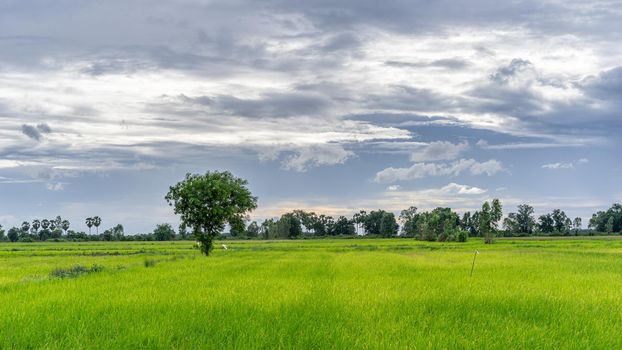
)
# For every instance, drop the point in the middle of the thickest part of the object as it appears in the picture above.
(150, 263)
(75, 271)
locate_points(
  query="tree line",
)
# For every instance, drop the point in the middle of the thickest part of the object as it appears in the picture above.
(440, 224)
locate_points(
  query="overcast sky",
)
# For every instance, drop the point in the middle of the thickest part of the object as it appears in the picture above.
(327, 105)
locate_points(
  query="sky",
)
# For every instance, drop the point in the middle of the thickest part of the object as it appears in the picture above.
(331, 106)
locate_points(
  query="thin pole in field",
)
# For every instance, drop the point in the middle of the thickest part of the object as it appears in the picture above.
(473, 266)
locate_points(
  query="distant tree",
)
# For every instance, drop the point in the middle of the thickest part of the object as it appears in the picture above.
(163, 232)
(440, 224)
(183, 231)
(35, 226)
(208, 202)
(52, 224)
(561, 222)
(65, 225)
(2, 237)
(96, 222)
(470, 223)
(576, 223)
(489, 220)
(358, 221)
(290, 226)
(525, 219)
(388, 225)
(252, 231)
(510, 225)
(25, 227)
(496, 214)
(546, 224)
(89, 223)
(14, 233)
(408, 219)
(372, 222)
(607, 221)
(343, 227)
(45, 224)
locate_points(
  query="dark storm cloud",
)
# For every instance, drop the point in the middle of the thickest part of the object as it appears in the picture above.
(408, 98)
(606, 86)
(268, 105)
(448, 63)
(505, 73)
(31, 132)
(44, 128)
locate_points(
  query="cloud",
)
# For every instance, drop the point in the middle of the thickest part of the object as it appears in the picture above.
(55, 186)
(421, 170)
(564, 165)
(31, 132)
(44, 128)
(267, 105)
(317, 155)
(447, 63)
(606, 86)
(454, 188)
(524, 145)
(439, 150)
(394, 188)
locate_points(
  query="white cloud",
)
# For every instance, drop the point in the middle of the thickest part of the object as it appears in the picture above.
(58, 186)
(454, 188)
(439, 150)
(559, 165)
(564, 165)
(394, 188)
(489, 167)
(316, 155)
(421, 170)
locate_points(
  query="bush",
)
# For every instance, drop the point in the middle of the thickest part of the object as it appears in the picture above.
(150, 263)
(75, 271)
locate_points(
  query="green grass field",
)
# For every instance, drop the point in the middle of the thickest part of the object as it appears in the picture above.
(318, 294)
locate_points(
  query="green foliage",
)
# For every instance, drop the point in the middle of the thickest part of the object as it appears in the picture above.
(408, 218)
(114, 234)
(441, 224)
(343, 227)
(609, 221)
(489, 218)
(379, 223)
(521, 223)
(150, 262)
(13, 234)
(252, 231)
(163, 232)
(206, 203)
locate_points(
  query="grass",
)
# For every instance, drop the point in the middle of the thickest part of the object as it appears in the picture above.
(316, 294)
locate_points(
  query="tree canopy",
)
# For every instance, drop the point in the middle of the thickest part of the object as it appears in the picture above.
(207, 203)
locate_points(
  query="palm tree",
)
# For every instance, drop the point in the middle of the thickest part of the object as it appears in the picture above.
(45, 224)
(35, 225)
(52, 224)
(89, 224)
(97, 221)
(25, 226)
(65, 226)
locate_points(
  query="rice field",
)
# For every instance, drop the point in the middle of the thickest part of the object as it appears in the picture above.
(316, 294)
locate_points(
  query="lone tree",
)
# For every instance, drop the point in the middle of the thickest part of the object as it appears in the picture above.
(208, 202)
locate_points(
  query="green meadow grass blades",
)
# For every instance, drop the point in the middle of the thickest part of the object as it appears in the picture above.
(317, 294)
